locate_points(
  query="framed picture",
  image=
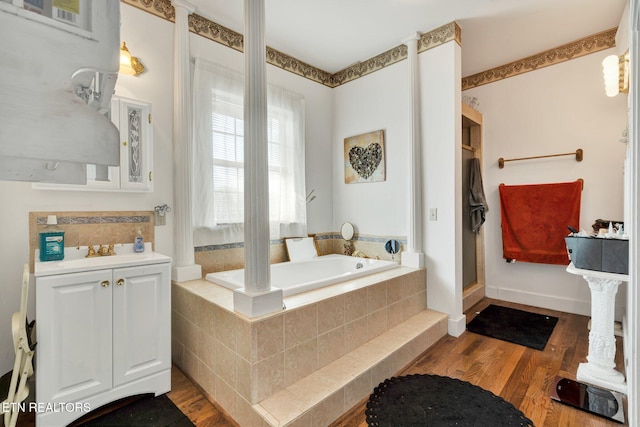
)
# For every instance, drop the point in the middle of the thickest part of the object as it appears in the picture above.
(364, 158)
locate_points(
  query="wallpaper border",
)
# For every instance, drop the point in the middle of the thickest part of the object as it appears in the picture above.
(449, 32)
(584, 46)
(220, 34)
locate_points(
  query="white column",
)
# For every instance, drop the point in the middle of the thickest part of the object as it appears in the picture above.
(257, 298)
(600, 367)
(184, 267)
(413, 256)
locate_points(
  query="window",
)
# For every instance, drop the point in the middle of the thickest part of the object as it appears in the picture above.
(228, 168)
(219, 158)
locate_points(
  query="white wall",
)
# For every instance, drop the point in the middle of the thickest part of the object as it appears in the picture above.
(380, 101)
(442, 139)
(151, 39)
(552, 110)
(377, 101)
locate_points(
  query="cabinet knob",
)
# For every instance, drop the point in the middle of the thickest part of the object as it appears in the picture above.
(120, 282)
(105, 283)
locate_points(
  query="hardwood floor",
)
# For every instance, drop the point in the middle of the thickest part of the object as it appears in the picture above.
(192, 402)
(518, 374)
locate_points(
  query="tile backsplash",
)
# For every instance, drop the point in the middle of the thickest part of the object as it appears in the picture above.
(84, 228)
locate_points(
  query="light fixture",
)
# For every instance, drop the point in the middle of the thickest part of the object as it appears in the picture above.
(616, 74)
(129, 64)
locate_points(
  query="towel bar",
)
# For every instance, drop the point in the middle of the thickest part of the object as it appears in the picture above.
(579, 179)
(578, 153)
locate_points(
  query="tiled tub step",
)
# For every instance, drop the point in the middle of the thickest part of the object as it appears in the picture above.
(323, 396)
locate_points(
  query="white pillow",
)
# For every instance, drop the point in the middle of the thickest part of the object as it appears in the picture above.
(301, 248)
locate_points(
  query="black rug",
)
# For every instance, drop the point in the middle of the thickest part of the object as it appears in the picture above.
(148, 411)
(519, 327)
(435, 401)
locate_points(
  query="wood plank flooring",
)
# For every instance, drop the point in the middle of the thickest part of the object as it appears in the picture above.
(518, 374)
(193, 403)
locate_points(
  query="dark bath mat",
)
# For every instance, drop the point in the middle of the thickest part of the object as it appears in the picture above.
(509, 324)
(435, 401)
(148, 411)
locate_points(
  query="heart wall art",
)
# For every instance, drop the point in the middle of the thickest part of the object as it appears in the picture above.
(364, 158)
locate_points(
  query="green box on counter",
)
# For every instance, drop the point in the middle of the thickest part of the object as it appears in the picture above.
(591, 253)
(51, 245)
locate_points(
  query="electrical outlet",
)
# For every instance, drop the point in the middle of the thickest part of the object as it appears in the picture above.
(433, 214)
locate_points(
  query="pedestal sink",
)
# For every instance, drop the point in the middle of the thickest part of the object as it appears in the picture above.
(600, 367)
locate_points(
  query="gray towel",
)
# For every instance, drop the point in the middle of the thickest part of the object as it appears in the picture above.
(477, 200)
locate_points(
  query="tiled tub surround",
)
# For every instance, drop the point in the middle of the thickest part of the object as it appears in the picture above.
(310, 363)
(93, 228)
(230, 256)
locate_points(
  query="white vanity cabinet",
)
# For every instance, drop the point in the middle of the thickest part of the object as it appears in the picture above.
(102, 334)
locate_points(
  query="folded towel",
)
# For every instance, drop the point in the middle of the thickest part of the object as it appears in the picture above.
(477, 200)
(535, 220)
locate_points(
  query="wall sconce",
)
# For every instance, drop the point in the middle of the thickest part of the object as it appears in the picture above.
(129, 64)
(616, 74)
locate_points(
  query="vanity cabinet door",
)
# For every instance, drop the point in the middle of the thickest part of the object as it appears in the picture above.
(141, 322)
(73, 313)
(136, 151)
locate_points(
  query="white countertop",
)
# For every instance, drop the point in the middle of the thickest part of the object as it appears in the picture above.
(75, 260)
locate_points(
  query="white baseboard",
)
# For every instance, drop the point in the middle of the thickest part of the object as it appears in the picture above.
(456, 326)
(551, 302)
(540, 300)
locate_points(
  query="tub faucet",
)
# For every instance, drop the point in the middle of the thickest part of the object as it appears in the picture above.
(360, 254)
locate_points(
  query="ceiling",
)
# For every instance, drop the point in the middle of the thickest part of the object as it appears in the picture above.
(334, 34)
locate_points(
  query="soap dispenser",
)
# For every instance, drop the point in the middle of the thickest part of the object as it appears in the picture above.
(51, 241)
(138, 244)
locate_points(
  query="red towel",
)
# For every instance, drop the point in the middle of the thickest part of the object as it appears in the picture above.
(535, 220)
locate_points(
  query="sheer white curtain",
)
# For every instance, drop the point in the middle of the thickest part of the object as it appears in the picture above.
(219, 158)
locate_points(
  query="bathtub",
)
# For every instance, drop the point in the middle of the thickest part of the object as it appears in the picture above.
(302, 276)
